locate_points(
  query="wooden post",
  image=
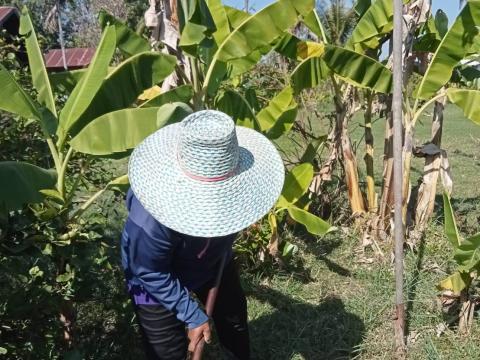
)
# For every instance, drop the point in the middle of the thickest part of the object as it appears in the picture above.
(398, 172)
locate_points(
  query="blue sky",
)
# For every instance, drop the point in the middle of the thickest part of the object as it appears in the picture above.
(449, 6)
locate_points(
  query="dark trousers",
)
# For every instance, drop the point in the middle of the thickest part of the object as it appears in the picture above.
(165, 336)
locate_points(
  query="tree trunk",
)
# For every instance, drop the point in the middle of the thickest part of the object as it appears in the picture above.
(467, 311)
(428, 188)
(67, 319)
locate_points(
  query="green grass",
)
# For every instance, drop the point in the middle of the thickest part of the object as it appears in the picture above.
(338, 302)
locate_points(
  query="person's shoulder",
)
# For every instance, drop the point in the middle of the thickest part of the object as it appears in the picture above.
(138, 215)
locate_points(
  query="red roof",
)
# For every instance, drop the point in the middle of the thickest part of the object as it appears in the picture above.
(76, 58)
(6, 12)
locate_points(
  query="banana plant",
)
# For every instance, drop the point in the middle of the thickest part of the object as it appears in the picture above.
(96, 118)
(467, 259)
(294, 201)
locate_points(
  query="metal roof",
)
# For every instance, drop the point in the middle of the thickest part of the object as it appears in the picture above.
(76, 58)
(6, 12)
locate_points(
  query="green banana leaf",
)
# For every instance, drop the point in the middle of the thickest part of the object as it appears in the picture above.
(312, 21)
(122, 130)
(376, 21)
(359, 70)
(296, 185)
(278, 117)
(40, 79)
(20, 184)
(16, 101)
(128, 41)
(238, 107)
(196, 25)
(235, 17)
(219, 15)
(314, 224)
(451, 230)
(467, 255)
(312, 149)
(288, 46)
(361, 7)
(66, 81)
(83, 94)
(182, 93)
(468, 101)
(453, 48)
(310, 73)
(121, 87)
(261, 29)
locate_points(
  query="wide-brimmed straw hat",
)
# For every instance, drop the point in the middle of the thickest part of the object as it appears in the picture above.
(205, 176)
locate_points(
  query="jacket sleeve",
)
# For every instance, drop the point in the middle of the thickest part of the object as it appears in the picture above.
(149, 262)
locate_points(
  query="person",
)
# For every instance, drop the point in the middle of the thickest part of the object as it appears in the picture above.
(194, 186)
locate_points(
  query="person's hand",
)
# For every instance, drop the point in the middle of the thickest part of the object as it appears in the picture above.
(195, 335)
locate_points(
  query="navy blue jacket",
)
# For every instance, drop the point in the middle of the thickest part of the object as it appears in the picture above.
(167, 265)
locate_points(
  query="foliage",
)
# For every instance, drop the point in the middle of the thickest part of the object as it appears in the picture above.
(467, 253)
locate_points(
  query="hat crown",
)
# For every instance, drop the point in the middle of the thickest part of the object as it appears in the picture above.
(208, 146)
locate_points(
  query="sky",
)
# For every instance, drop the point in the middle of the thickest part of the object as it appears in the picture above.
(449, 6)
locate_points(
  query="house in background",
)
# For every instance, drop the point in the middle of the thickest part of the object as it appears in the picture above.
(75, 58)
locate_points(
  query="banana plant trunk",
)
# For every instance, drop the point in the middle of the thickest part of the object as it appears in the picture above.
(428, 188)
(372, 196)
(344, 112)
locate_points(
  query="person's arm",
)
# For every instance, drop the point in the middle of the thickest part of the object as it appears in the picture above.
(150, 261)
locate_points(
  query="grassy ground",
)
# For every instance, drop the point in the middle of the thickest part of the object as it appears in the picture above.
(337, 304)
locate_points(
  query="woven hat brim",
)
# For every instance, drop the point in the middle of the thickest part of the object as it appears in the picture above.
(199, 208)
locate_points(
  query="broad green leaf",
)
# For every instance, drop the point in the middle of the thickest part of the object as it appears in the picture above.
(235, 16)
(296, 185)
(359, 70)
(309, 73)
(453, 48)
(40, 79)
(121, 87)
(314, 224)
(374, 24)
(234, 104)
(128, 41)
(467, 255)
(306, 49)
(20, 184)
(66, 81)
(441, 23)
(183, 93)
(456, 282)
(120, 131)
(219, 15)
(15, 100)
(312, 21)
(85, 91)
(196, 24)
(288, 45)
(468, 101)
(361, 7)
(312, 149)
(261, 29)
(278, 117)
(451, 230)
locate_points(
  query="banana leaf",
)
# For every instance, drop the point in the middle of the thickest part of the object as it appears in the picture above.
(122, 86)
(85, 91)
(468, 101)
(122, 130)
(359, 70)
(20, 184)
(40, 79)
(128, 41)
(455, 45)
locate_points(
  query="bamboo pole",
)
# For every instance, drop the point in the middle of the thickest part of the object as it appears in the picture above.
(210, 305)
(398, 171)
